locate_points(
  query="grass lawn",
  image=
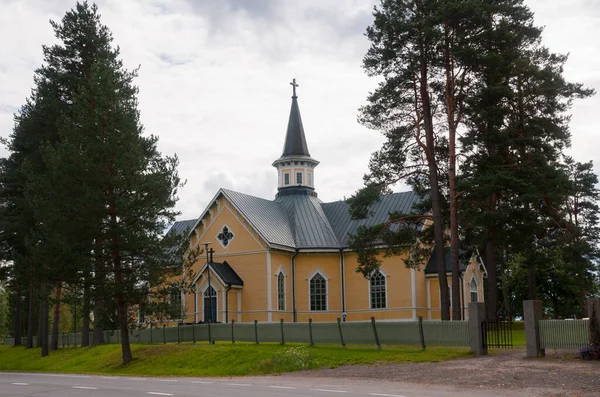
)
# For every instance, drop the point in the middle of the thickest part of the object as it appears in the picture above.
(518, 334)
(211, 360)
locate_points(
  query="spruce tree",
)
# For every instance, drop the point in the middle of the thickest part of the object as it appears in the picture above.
(111, 180)
(94, 195)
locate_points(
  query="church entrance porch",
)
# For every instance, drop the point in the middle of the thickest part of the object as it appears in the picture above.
(216, 299)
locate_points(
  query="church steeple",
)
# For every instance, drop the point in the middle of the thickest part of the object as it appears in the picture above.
(295, 141)
(295, 166)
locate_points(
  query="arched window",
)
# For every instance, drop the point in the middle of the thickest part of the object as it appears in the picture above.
(318, 293)
(473, 290)
(378, 290)
(210, 304)
(281, 291)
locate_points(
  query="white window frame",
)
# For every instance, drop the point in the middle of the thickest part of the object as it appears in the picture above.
(310, 179)
(473, 279)
(229, 241)
(281, 272)
(385, 276)
(326, 277)
(286, 182)
(301, 175)
(195, 303)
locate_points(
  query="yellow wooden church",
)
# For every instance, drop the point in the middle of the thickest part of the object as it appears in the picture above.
(288, 257)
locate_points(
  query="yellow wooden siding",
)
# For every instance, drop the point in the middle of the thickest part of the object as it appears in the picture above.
(281, 260)
(329, 264)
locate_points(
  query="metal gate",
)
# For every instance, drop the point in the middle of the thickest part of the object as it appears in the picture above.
(497, 334)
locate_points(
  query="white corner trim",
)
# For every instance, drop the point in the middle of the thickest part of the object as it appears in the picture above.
(428, 283)
(321, 272)
(485, 272)
(223, 308)
(269, 289)
(239, 308)
(413, 289)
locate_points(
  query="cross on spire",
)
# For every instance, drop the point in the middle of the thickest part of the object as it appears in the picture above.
(294, 85)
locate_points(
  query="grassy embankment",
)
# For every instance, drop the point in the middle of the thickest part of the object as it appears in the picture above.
(215, 360)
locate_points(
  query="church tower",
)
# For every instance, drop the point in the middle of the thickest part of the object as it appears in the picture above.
(295, 167)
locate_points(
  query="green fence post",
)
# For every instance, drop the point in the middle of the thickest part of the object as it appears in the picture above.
(256, 331)
(165, 334)
(310, 335)
(282, 337)
(421, 334)
(232, 335)
(139, 333)
(151, 340)
(209, 333)
(375, 333)
(194, 332)
(178, 337)
(339, 321)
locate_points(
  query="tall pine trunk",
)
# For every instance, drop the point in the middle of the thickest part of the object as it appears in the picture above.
(40, 330)
(99, 311)
(120, 291)
(450, 98)
(504, 287)
(99, 294)
(436, 199)
(44, 318)
(30, 315)
(492, 279)
(56, 317)
(85, 310)
(18, 314)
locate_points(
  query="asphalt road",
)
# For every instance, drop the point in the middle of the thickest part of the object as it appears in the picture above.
(28, 384)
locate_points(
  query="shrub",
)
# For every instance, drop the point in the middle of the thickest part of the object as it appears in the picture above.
(590, 353)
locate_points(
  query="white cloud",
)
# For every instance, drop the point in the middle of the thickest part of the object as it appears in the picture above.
(214, 81)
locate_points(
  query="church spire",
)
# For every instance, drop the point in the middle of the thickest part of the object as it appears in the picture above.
(295, 141)
(295, 166)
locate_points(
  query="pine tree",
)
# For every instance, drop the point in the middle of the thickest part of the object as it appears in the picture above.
(428, 53)
(403, 39)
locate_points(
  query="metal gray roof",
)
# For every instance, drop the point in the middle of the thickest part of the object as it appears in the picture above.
(343, 225)
(295, 141)
(304, 222)
(310, 226)
(268, 217)
(181, 227)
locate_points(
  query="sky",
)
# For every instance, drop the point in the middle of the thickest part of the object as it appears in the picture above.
(214, 81)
